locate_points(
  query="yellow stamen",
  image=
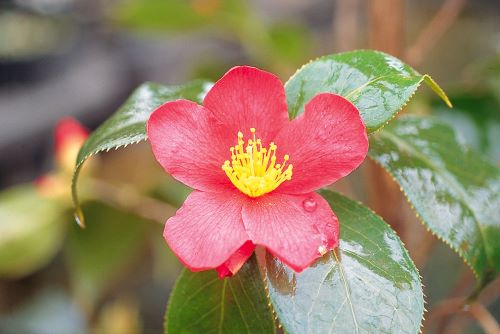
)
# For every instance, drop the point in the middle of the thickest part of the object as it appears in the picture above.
(253, 169)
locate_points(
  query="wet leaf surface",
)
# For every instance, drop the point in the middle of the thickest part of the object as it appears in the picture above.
(368, 285)
(378, 84)
(475, 116)
(202, 303)
(454, 190)
(128, 125)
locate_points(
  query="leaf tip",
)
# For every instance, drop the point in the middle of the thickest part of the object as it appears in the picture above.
(438, 90)
(79, 218)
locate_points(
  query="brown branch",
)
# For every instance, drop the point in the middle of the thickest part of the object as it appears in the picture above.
(446, 308)
(455, 326)
(386, 25)
(385, 33)
(419, 252)
(490, 292)
(439, 315)
(130, 200)
(484, 318)
(459, 305)
(345, 24)
(434, 30)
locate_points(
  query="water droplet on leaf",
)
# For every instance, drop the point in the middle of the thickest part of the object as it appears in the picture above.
(309, 204)
(80, 220)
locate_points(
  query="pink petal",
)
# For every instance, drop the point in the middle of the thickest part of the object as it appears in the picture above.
(236, 261)
(190, 144)
(325, 143)
(297, 229)
(247, 97)
(207, 230)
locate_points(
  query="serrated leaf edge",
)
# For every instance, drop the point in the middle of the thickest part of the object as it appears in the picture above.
(426, 226)
(81, 160)
(423, 78)
(76, 173)
(435, 87)
(402, 243)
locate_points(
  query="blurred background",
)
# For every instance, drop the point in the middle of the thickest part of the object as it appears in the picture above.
(82, 58)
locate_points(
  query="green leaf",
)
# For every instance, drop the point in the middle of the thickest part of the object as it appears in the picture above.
(128, 125)
(98, 255)
(202, 303)
(454, 190)
(31, 230)
(476, 116)
(368, 285)
(378, 84)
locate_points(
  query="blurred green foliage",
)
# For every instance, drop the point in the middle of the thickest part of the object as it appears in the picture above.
(98, 256)
(31, 230)
(280, 47)
(177, 15)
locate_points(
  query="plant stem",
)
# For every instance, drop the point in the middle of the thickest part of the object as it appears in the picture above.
(130, 200)
(434, 31)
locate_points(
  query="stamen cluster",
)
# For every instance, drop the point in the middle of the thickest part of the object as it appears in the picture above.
(253, 169)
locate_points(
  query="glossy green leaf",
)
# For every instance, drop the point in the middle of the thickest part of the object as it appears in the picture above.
(99, 254)
(202, 303)
(378, 84)
(454, 190)
(128, 125)
(31, 230)
(368, 285)
(475, 116)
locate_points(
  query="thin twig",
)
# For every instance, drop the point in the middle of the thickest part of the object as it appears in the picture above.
(456, 325)
(445, 308)
(490, 293)
(434, 30)
(476, 310)
(130, 200)
(439, 314)
(386, 25)
(345, 24)
(484, 318)
(426, 242)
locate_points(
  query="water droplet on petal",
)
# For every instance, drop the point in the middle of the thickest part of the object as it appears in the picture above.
(322, 250)
(309, 204)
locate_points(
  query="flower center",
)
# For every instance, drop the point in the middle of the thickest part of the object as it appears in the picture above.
(253, 169)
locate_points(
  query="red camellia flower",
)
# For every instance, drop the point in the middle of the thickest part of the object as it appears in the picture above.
(68, 138)
(254, 171)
